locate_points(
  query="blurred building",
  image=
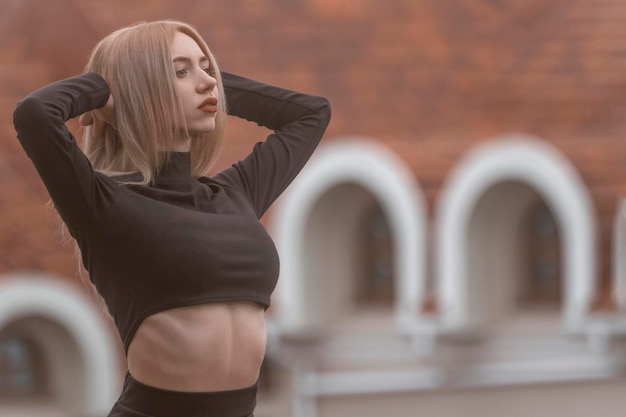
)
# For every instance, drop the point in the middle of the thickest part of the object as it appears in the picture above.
(455, 247)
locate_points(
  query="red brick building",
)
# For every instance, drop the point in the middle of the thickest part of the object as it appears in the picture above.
(433, 88)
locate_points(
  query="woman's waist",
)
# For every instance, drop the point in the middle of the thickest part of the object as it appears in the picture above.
(158, 402)
(209, 347)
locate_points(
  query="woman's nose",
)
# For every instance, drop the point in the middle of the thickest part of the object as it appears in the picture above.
(206, 82)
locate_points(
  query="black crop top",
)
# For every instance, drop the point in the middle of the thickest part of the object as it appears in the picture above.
(180, 240)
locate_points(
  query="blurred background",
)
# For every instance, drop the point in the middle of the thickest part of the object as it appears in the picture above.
(455, 247)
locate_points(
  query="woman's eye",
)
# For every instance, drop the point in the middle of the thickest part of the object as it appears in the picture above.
(181, 72)
(210, 71)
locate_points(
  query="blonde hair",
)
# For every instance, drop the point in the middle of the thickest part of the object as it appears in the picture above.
(137, 64)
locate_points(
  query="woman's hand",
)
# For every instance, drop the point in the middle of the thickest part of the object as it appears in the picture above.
(99, 118)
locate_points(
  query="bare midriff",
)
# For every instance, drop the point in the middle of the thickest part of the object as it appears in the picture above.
(203, 348)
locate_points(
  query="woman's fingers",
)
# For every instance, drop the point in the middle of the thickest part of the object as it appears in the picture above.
(97, 125)
(107, 113)
(99, 118)
(85, 119)
(98, 129)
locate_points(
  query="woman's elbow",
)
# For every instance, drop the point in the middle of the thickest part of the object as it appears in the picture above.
(325, 110)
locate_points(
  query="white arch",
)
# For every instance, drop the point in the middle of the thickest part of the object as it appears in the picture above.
(540, 165)
(375, 168)
(29, 295)
(619, 253)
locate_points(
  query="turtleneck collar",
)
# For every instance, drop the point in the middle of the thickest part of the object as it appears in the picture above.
(177, 167)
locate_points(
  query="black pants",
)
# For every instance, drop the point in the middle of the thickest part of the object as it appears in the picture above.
(140, 400)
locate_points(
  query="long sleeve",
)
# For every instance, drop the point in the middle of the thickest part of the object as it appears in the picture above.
(298, 121)
(39, 121)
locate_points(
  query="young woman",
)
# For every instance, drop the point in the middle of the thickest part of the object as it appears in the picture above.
(181, 260)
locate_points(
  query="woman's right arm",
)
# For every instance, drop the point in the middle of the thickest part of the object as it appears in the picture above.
(39, 121)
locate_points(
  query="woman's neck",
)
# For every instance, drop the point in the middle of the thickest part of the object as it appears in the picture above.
(177, 145)
(182, 146)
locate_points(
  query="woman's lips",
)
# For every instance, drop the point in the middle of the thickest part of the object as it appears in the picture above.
(209, 105)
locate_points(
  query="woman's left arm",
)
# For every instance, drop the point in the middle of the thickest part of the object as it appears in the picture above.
(298, 120)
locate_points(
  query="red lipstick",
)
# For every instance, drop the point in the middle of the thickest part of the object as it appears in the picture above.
(209, 105)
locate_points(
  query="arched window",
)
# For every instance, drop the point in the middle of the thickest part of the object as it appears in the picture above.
(555, 183)
(330, 223)
(346, 257)
(56, 351)
(513, 255)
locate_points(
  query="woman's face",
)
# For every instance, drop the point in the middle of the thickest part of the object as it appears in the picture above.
(195, 84)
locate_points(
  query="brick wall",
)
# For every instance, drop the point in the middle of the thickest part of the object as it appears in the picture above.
(428, 78)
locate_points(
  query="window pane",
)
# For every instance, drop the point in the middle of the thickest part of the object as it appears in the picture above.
(544, 280)
(21, 370)
(375, 286)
